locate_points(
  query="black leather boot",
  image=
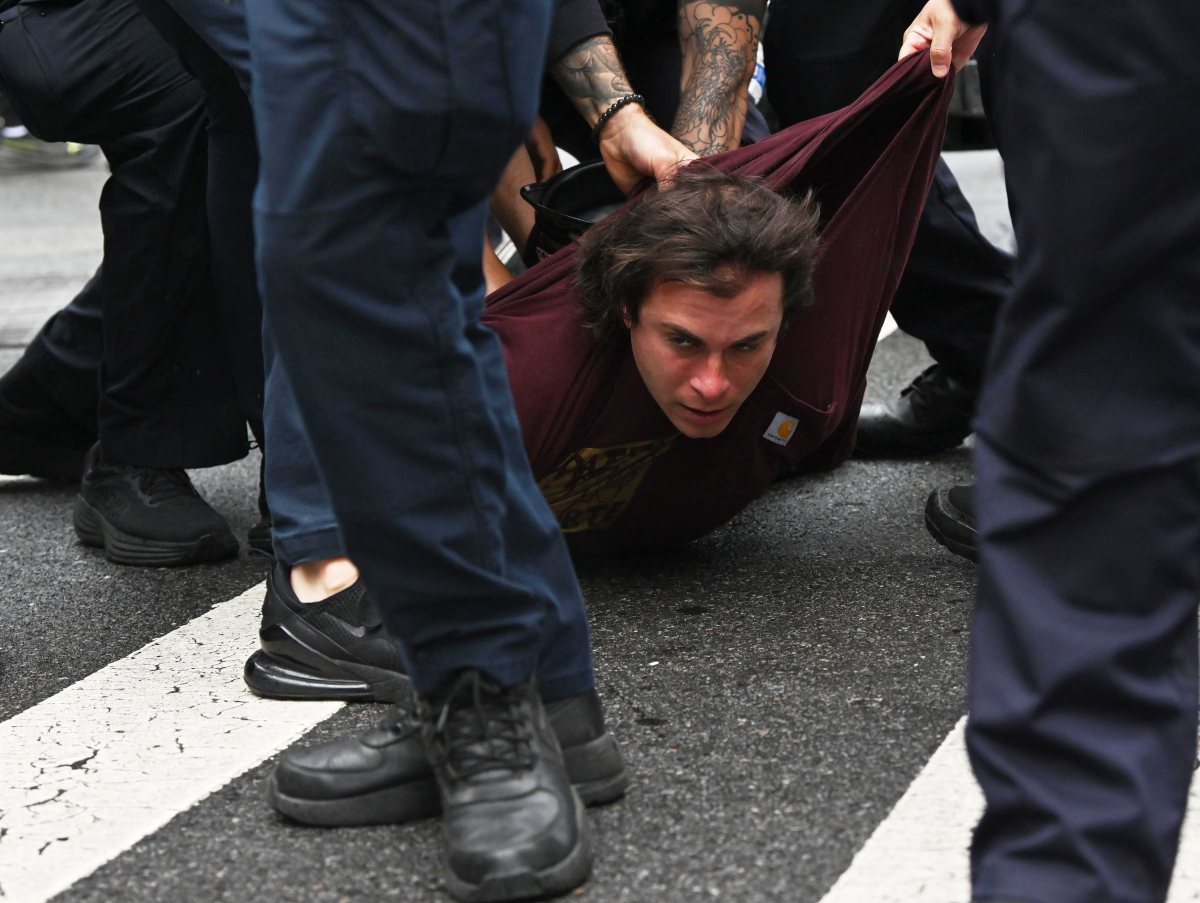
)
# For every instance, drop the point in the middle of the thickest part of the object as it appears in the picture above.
(950, 519)
(514, 827)
(383, 777)
(932, 414)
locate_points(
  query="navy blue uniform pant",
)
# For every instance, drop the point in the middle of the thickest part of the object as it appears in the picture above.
(820, 55)
(387, 126)
(1083, 697)
(94, 71)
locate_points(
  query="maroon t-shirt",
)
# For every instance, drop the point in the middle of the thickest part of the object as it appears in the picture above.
(615, 471)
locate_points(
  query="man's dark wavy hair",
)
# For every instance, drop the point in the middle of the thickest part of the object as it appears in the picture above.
(711, 230)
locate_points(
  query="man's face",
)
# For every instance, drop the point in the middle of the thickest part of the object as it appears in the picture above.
(701, 355)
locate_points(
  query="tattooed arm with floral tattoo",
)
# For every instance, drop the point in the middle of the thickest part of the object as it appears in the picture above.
(591, 75)
(719, 41)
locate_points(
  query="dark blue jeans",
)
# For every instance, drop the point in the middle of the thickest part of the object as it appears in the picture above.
(384, 127)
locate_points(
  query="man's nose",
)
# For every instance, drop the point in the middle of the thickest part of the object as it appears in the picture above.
(709, 380)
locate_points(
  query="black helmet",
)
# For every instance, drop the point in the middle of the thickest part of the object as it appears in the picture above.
(566, 205)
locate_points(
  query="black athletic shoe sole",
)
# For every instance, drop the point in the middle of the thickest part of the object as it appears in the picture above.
(572, 871)
(122, 548)
(943, 521)
(596, 770)
(285, 677)
(20, 456)
(391, 806)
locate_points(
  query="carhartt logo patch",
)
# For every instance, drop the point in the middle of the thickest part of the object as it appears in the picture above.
(781, 429)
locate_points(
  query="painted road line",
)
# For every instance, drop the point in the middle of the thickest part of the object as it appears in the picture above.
(889, 326)
(88, 772)
(920, 851)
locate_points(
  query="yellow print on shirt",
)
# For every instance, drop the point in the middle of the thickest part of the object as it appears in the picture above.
(590, 489)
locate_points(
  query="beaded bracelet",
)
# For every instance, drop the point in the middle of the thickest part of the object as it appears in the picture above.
(616, 105)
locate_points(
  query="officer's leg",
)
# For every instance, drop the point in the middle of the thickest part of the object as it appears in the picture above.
(166, 401)
(404, 120)
(48, 398)
(1083, 672)
(1083, 680)
(203, 48)
(166, 396)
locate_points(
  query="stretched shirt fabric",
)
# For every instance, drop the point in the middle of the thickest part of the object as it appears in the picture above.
(615, 471)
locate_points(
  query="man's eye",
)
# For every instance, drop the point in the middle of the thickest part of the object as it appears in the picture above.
(747, 346)
(680, 341)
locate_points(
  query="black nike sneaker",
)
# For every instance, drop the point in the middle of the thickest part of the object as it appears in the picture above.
(333, 649)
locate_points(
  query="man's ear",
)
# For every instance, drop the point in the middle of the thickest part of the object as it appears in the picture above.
(625, 318)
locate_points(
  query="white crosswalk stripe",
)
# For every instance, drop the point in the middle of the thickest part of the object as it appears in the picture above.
(93, 769)
(919, 853)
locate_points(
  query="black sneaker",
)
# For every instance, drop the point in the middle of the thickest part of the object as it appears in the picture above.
(950, 518)
(147, 517)
(37, 437)
(383, 777)
(931, 415)
(514, 828)
(333, 649)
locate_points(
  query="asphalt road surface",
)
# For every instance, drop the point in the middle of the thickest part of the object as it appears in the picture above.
(776, 686)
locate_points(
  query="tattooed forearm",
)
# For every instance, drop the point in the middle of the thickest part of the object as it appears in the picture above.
(591, 75)
(719, 41)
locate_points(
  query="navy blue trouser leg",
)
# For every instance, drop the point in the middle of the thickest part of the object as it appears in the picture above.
(387, 128)
(1083, 696)
(1083, 700)
(954, 283)
(303, 525)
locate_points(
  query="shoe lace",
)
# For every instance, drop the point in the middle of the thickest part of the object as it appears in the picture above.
(935, 395)
(399, 723)
(932, 375)
(159, 485)
(480, 728)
